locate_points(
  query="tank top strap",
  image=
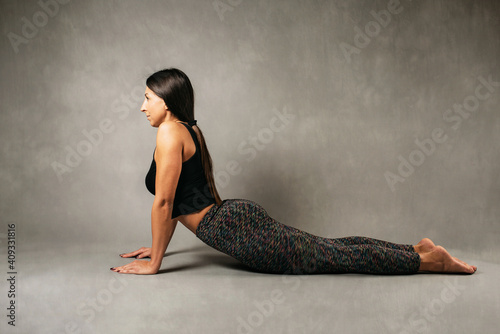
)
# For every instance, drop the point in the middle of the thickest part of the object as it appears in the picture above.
(193, 135)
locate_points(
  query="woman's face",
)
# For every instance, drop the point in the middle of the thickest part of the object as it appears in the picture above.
(154, 107)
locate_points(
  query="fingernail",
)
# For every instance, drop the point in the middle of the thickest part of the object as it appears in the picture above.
(112, 268)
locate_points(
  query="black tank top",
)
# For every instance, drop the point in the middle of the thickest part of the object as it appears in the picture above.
(192, 193)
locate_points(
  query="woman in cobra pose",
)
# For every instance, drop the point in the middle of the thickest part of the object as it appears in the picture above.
(181, 179)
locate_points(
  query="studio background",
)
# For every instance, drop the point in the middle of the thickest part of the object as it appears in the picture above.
(350, 115)
(306, 107)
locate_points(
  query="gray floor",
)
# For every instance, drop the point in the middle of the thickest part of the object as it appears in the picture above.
(70, 289)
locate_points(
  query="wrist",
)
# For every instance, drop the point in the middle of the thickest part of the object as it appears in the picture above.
(155, 264)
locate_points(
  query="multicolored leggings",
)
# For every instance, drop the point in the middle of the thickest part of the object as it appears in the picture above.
(244, 230)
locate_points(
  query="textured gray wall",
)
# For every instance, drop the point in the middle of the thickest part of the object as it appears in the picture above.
(375, 118)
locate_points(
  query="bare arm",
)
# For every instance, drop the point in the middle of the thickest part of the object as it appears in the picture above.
(168, 157)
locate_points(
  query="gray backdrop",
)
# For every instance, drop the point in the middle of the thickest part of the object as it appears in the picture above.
(376, 118)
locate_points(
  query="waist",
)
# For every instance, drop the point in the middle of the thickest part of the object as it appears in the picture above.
(193, 220)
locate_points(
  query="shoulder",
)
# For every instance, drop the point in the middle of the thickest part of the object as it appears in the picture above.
(169, 134)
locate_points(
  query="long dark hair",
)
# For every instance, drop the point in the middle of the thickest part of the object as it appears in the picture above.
(174, 87)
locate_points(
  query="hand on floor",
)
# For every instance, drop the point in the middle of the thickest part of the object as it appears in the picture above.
(139, 267)
(140, 253)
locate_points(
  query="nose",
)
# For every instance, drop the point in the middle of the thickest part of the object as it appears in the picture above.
(143, 107)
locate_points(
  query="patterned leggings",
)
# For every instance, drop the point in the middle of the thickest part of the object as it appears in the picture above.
(244, 230)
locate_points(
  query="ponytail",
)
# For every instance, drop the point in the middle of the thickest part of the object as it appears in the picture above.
(206, 162)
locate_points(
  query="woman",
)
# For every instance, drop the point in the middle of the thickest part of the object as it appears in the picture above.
(181, 179)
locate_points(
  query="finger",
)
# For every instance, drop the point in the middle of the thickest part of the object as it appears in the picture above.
(126, 255)
(120, 267)
(141, 251)
(122, 270)
(131, 254)
(128, 270)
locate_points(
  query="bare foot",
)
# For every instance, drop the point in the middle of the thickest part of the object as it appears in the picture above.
(437, 259)
(462, 262)
(424, 246)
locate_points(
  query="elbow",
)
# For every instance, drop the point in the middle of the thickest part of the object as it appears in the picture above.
(163, 203)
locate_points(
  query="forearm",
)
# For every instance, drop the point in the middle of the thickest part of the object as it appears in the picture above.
(162, 229)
